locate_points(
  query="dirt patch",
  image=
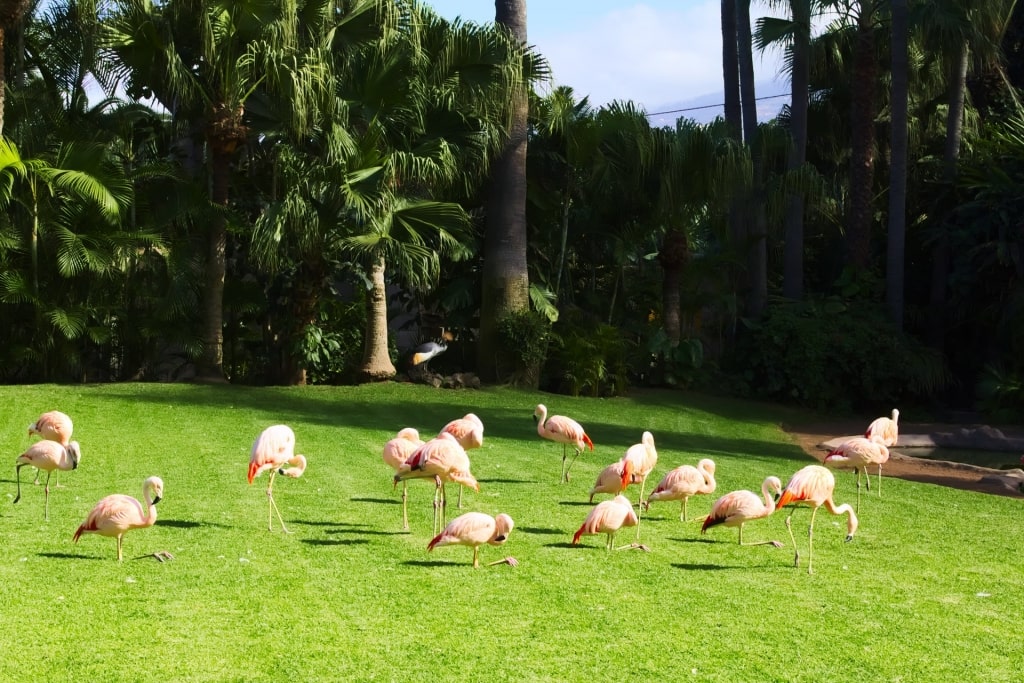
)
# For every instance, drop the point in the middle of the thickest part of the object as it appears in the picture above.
(952, 474)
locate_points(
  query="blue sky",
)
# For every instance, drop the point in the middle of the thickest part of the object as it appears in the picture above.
(659, 53)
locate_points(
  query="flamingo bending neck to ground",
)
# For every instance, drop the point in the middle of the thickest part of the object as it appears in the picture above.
(118, 514)
(736, 508)
(608, 517)
(563, 430)
(395, 453)
(273, 449)
(813, 486)
(683, 482)
(475, 529)
(49, 456)
(859, 452)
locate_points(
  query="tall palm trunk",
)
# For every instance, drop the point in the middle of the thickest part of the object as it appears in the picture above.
(898, 164)
(11, 12)
(734, 125)
(673, 257)
(793, 254)
(941, 255)
(757, 255)
(376, 365)
(505, 276)
(211, 364)
(862, 155)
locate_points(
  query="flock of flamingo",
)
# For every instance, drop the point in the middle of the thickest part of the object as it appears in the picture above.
(444, 460)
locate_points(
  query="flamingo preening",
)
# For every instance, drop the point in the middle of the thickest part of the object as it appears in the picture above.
(443, 460)
(684, 482)
(395, 453)
(885, 430)
(859, 452)
(736, 508)
(813, 486)
(610, 480)
(475, 529)
(49, 456)
(273, 449)
(118, 514)
(563, 430)
(52, 426)
(469, 432)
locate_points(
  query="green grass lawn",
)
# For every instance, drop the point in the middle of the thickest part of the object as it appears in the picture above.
(931, 588)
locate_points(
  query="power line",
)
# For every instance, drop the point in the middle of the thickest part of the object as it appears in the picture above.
(712, 106)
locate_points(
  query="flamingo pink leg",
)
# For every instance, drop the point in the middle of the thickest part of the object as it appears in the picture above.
(273, 507)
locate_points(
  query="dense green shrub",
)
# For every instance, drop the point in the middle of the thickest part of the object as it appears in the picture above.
(525, 335)
(831, 355)
(588, 357)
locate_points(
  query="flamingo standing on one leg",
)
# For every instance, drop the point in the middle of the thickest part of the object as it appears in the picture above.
(52, 426)
(885, 430)
(813, 486)
(441, 459)
(118, 514)
(683, 482)
(563, 430)
(475, 529)
(608, 517)
(859, 452)
(395, 453)
(49, 456)
(274, 448)
(739, 507)
(469, 432)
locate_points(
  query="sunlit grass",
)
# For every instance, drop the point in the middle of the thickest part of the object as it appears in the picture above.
(929, 590)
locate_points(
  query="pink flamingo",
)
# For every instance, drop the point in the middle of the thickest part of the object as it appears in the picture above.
(274, 448)
(52, 426)
(637, 464)
(859, 452)
(683, 482)
(610, 480)
(49, 456)
(118, 514)
(443, 460)
(736, 508)
(469, 432)
(475, 529)
(608, 517)
(563, 430)
(395, 453)
(885, 430)
(813, 486)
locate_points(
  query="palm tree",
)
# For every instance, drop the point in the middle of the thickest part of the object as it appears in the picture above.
(11, 13)
(898, 163)
(757, 297)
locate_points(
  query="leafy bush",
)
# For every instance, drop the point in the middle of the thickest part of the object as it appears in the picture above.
(526, 335)
(332, 349)
(832, 355)
(589, 357)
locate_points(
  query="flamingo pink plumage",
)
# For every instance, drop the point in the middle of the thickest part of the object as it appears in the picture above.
(52, 426)
(813, 486)
(443, 460)
(273, 449)
(395, 453)
(736, 508)
(469, 432)
(684, 482)
(885, 430)
(609, 480)
(118, 514)
(475, 529)
(608, 517)
(49, 456)
(563, 430)
(859, 452)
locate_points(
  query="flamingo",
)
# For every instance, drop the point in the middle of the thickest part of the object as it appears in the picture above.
(563, 430)
(395, 453)
(274, 448)
(475, 529)
(49, 456)
(859, 452)
(683, 482)
(610, 480)
(814, 486)
(469, 432)
(736, 508)
(441, 459)
(608, 517)
(639, 461)
(52, 426)
(118, 514)
(885, 430)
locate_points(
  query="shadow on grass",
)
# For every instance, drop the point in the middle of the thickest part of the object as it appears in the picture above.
(331, 541)
(69, 556)
(188, 524)
(382, 501)
(704, 567)
(700, 539)
(539, 531)
(576, 503)
(366, 532)
(506, 481)
(565, 544)
(431, 563)
(307, 522)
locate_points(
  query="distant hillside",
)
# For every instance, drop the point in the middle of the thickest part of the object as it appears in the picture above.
(705, 108)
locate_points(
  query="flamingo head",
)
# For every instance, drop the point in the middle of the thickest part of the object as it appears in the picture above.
(540, 412)
(502, 528)
(155, 487)
(75, 453)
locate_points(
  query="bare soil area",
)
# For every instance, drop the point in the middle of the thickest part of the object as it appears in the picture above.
(956, 475)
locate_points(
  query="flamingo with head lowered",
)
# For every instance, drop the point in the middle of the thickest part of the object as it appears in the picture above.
(273, 449)
(49, 456)
(813, 486)
(476, 529)
(117, 514)
(736, 508)
(684, 482)
(395, 453)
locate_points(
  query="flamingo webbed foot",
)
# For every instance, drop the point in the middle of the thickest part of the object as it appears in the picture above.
(635, 546)
(776, 544)
(510, 561)
(163, 556)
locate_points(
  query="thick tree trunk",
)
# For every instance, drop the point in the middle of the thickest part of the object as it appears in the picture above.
(731, 71)
(862, 155)
(898, 164)
(757, 254)
(377, 365)
(3, 80)
(505, 277)
(211, 363)
(673, 258)
(941, 254)
(793, 249)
